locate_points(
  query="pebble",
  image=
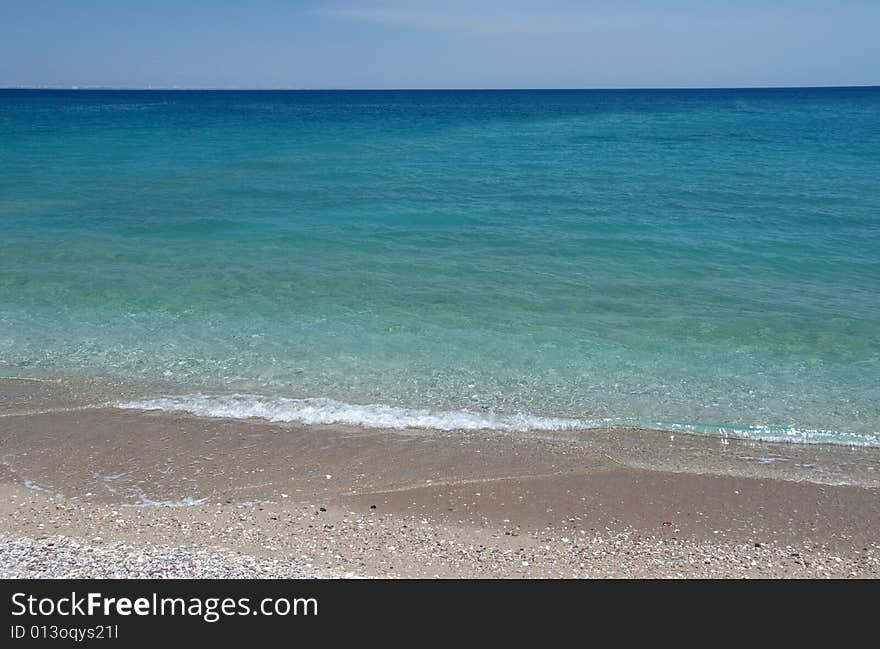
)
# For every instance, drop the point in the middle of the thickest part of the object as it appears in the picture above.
(65, 558)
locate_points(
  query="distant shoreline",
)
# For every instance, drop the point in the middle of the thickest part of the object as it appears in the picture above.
(429, 89)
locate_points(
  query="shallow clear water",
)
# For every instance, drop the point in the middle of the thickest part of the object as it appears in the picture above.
(696, 258)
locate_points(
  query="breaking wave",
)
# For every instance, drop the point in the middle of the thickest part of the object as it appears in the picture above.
(330, 411)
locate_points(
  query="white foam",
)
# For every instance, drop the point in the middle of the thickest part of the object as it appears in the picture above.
(146, 501)
(189, 501)
(765, 433)
(329, 411)
(30, 484)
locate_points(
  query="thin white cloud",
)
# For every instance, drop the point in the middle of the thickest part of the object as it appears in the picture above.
(499, 20)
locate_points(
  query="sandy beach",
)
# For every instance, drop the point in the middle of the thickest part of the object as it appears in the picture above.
(98, 491)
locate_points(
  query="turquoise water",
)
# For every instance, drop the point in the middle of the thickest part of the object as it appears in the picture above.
(524, 259)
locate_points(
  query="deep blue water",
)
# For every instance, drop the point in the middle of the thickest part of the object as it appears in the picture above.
(708, 258)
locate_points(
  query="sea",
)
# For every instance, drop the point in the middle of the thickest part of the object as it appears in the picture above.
(702, 261)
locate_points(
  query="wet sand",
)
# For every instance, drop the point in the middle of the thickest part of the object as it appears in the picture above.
(337, 500)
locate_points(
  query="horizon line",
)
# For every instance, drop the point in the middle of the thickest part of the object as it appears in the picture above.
(428, 88)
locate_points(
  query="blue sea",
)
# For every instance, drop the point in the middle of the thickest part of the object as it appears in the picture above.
(703, 261)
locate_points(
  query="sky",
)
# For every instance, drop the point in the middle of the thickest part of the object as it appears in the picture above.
(438, 44)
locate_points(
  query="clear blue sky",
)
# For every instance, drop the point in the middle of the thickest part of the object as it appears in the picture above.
(448, 44)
